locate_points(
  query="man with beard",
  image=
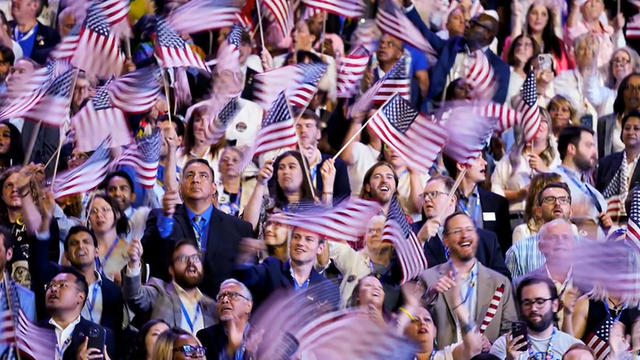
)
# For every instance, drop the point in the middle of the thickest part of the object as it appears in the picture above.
(579, 155)
(180, 303)
(226, 339)
(538, 301)
(477, 286)
(216, 234)
(380, 184)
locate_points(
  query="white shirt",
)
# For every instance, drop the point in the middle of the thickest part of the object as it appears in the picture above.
(193, 309)
(582, 202)
(245, 125)
(137, 222)
(92, 308)
(63, 336)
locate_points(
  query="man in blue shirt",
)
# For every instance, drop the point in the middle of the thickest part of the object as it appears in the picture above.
(35, 39)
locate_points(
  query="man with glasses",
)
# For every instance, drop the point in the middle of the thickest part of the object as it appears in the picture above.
(180, 303)
(437, 206)
(538, 301)
(65, 296)
(478, 285)
(226, 339)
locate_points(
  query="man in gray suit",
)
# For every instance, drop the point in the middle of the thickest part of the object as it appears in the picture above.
(179, 302)
(478, 285)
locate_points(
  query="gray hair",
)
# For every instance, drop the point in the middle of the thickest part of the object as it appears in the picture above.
(245, 291)
(545, 227)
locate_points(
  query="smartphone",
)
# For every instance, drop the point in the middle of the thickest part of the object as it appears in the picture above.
(520, 328)
(97, 338)
(545, 61)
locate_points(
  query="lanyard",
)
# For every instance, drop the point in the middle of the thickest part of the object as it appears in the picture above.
(18, 37)
(92, 302)
(606, 306)
(548, 355)
(103, 263)
(472, 282)
(185, 313)
(584, 188)
(476, 208)
(61, 348)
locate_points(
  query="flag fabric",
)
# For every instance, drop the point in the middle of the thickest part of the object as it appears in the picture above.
(30, 339)
(633, 29)
(277, 129)
(143, 157)
(505, 115)
(615, 193)
(98, 49)
(468, 132)
(200, 15)
(346, 221)
(228, 60)
(85, 177)
(480, 76)
(54, 106)
(396, 80)
(99, 119)
(598, 340)
(172, 51)
(301, 94)
(136, 92)
(67, 47)
(527, 104)
(114, 10)
(493, 308)
(416, 139)
(393, 21)
(268, 85)
(351, 70)
(281, 11)
(346, 8)
(25, 90)
(218, 126)
(633, 223)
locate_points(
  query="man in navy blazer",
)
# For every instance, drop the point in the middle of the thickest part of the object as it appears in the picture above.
(478, 34)
(215, 233)
(36, 39)
(273, 274)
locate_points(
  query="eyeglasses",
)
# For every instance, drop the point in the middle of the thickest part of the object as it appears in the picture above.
(460, 231)
(537, 301)
(620, 61)
(194, 259)
(231, 295)
(61, 285)
(433, 194)
(563, 200)
(104, 211)
(191, 351)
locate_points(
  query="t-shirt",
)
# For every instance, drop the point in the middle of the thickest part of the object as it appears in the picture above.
(561, 343)
(364, 157)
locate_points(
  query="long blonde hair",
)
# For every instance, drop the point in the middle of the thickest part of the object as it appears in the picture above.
(547, 155)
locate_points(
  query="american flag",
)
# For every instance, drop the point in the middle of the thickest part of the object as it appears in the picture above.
(98, 49)
(172, 50)
(598, 340)
(218, 126)
(32, 341)
(301, 94)
(346, 221)
(410, 252)
(277, 129)
(480, 76)
(269, 84)
(67, 47)
(351, 71)
(114, 10)
(281, 11)
(228, 56)
(416, 139)
(492, 309)
(392, 20)
(143, 157)
(633, 223)
(53, 107)
(527, 104)
(99, 119)
(86, 176)
(136, 92)
(25, 90)
(396, 80)
(506, 116)
(346, 8)
(633, 26)
(468, 133)
(616, 191)
(200, 15)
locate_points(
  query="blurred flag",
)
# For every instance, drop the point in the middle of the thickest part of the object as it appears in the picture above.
(114, 10)
(172, 50)
(598, 339)
(85, 177)
(633, 223)
(25, 90)
(396, 80)
(346, 8)
(277, 129)
(200, 15)
(136, 92)
(468, 132)
(268, 85)
(416, 139)
(143, 157)
(54, 106)
(392, 20)
(398, 231)
(506, 116)
(301, 94)
(218, 125)
(67, 46)
(480, 76)
(527, 104)
(30, 339)
(615, 192)
(281, 11)
(351, 71)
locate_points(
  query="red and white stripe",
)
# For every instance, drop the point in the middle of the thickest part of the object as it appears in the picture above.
(179, 57)
(351, 71)
(633, 235)
(302, 95)
(31, 340)
(633, 28)
(115, 10)
(346, 221)
(530, 119)
(507, 117)
(600, 347)
(615, 206)
(347, 8)
(133, 93)
(468, 133)
(276, 136)
(391, 20)
(24, 91)
(66, 48)
(410, 252)
(493, 308)
(480, 76)
(200, 15)
(7, 327)
(270, 83)
(281, 11)
(146, 172)
(97, 54)
(85, 177)
(388, 87)
(92, 127)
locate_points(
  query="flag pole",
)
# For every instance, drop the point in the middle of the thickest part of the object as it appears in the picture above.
(32, 143)
(15, 330)
(260, 23)
(59, 150)
(453, 190)
(166, 94)
(305, 163)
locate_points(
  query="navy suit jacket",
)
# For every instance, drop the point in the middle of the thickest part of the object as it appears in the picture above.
(489, 253)
(273, 274)
(84, 328)
(223, 237)
(608, 167)
(501, 226)
(447, 51)
(46, 39)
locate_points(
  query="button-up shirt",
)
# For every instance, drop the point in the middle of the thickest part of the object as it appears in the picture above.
(191, 307)
(63, 336)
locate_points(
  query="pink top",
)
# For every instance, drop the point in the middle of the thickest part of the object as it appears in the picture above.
(562, 62)
(603, 34)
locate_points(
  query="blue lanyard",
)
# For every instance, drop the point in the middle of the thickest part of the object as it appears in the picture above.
(606, 306)
(584, 188)
(92, 302)
(185, 313)
(103, 263)
(61, 348)
(548, 354)
(476, 208)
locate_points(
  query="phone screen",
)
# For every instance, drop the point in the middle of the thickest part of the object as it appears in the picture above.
(520, 328)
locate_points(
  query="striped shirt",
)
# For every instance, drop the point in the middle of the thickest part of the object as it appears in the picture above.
(524, 256)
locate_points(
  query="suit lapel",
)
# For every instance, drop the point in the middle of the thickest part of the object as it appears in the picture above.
(636, 175)
(436, 247)
(175, 304)
(183, 217)
(484, 292)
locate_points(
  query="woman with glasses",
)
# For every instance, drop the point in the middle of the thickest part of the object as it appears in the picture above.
(177, 344)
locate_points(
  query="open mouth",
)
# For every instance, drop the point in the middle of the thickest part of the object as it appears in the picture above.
(465, 244)
(384, 188)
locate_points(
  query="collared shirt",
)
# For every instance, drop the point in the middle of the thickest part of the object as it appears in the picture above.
(26, 40)
(92, 308)
(63, 336)
(524, 256)
(585, 199)
(165, 224)
(297, 286)
(204, 228)
(472, 207)
(193, 309)
(469, 290)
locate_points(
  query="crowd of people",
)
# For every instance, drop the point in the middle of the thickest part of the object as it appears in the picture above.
(180, 269)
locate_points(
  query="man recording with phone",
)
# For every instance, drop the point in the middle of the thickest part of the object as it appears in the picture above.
(535, 337)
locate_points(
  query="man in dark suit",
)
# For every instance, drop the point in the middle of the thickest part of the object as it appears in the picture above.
(215, 233)
(273, 274)
(488, 210)
(430, 231)
(65, 297)
(225, 340)
(36, 39)
(478, 35)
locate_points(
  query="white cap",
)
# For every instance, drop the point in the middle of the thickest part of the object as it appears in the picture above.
(493, 14)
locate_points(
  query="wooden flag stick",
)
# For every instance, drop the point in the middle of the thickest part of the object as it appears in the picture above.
(351, 139)
(453, 190)
(260, 24)
(32, 142)
(55, 167)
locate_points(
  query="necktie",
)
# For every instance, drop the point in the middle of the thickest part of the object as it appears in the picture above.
(198, 227)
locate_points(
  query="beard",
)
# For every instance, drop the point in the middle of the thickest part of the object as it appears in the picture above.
(583, 163)
(188, 282)
(544, 323)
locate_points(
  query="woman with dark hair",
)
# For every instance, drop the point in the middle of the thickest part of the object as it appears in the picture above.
(540, 25)
(610, 126)
(146, 339)
(11, 151)
(522, 49)
(368, 296)
(195, 144)
(110, 225)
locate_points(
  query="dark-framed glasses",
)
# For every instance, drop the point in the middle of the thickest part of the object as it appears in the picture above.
(191, 351)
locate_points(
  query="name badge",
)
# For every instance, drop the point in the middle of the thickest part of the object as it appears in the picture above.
(488, 216)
